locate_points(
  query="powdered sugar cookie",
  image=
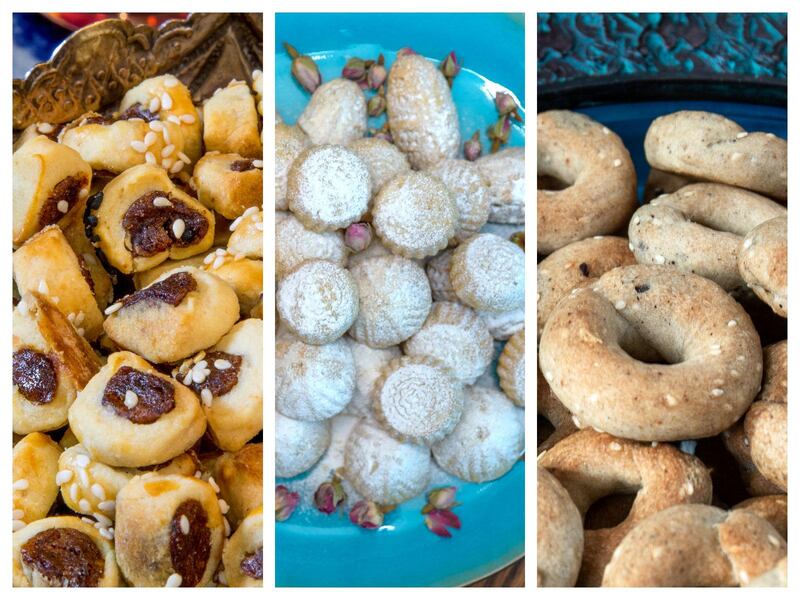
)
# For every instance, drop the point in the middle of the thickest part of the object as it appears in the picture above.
(414, 215)
(299, 444)
(318, 301)
(382, 158)
(394, 299)
(417, 400)
(295, 244)
(455, 336)
(290, 141)
(336, 113)
(511, 368)
(312, 383)
(420, 111)
(469, 188)
(503, 325)
(487, 441)
(438, 271)
(328, 187)
(488, 273)
(369, 363)
(382, 468)
(505, 171)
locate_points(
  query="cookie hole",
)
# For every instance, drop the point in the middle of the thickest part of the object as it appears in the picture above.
(636, 347)
(551, 183)
(544, 429)
(609, 511)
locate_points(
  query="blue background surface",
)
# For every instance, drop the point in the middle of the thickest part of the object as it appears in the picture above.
(317, 550)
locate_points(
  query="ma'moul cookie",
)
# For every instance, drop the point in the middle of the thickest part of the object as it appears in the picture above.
(318, 301)
(383, 159)
(299, 444)
(312, 383)
(328, 187)
(369, 363)
(394, 299)
(469, 189)
(290, 141)
(294, 244)
(487, 441)
(455, 336)
(415, 215)
(383, 469)
(417, 400)
(511, 368)
(488, 273)
(335, 114)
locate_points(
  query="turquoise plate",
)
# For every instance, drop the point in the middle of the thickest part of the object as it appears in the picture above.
(316, 550)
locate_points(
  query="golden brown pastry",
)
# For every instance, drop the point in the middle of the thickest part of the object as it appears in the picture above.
(229, 183)
(230, 121)
(247, 237)
(239, 477)
(243, 554)
(244, 275)
(35, 462)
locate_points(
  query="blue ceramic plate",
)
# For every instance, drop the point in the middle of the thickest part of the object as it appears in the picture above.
(317, 550)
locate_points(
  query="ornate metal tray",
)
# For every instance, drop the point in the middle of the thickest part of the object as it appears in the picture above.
(96, 65)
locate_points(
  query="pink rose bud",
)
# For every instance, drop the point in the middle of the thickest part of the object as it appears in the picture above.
(442, 497)
(329, 496)
(354, 69)
(358, 236)
(405, 52)
(472, 147)
(376, 105)
(376, 76)
(438, 520)
(507, 106)
(285, 502)
(366, 514)
(449, 66)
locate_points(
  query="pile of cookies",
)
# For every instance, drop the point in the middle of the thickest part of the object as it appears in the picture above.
(137, 346)
(397, 288)
(661, 328)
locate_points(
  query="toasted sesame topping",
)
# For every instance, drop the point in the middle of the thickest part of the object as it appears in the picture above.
(614, 447)
(184, 523)
(176, 167)
(548, 375)
(139, 146)
(185, 159)
(43, 289)
(150, 158)
(17, 524)
(671, 400)
(131, 399)
(659, 260)
(619, 304)
(62, 206)
(174, 580)
(84, 505)
(178, 227)
(717, 392)
(223, 506)
(63, 477)
(736, 156)
(20, 485)
(617, 162)
(188, 119)
(82, 460)
(45, 128)
(113, 308)
(161, 202)
(174, 119)
(748, 242)
(166, 101)
(206, 396)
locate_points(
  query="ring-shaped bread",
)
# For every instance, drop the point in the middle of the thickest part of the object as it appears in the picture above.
(763, 263)
(559, 535)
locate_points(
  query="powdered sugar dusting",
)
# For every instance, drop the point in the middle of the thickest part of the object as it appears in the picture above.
(469, 190)
(369, 363)
(336, 113)
(295, 244)
(298, 444)
(505, 171)
(488, 273)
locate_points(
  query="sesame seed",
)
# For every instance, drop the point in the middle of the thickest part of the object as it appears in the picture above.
(548, 375)
(82, 460)
(150, 158)
(740, 358)
(773, 540)
(166, 101)
(17, 524)
(619, 304)
(258, 164)
(198, 376)
(167, 150)
(259, 226)
(45, 128)
(227, 526)
(131, 399)
(744, 576)
(218, 262)
(174, 119)
(63, 477)
(636, 220)
(18, 513)
(106, 533)
(178, 227)
(606, 131)
(155, 105)
(167, 163)
(113, 308)
(736, 156)
(176, 167)
(741, 134)
(732, 323)
(62, 206)
(188, 379)
(184, 525)
(150, 138)
(209, 258)
(84, 505)
(253, 210)
(73, 492)
(198, 475)
(689, 487)
(236, 222)
(213, 484)
(223, 506)
(102, 519)
(20, 485)
(171, 81)
(107, 506)
(188, 119)
(734, 373)
(576, 421)
(717, 392)
(770, 135)
(617, 162)
(139, 146)
(156, 126)
(614, 447)
(185, 159)
(671, 400)
(630, 246)
(83, 193)
(165, 135)
(206, 396)
(747, 243)
(161, 202)
(55, 299)
(222, 364)
(83, 476)
(659, 260)
(43, 289)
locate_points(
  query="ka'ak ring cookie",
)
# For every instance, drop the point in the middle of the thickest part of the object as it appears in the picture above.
(699, 229)
(559, 536)
(141, 219)
(763, 263)
(35, 463)
(710, 147)
(243, 554)
(130, 415)
(650, 353)
(169, 531)
(63, 552)
(182, 312)
(49, 181)
(587, 179)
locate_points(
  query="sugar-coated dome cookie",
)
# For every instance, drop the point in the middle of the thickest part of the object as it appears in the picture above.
(294, 244)
(312, 383)
(369, 364)
(511, 368)
(414, 215)
(488, 273)
(394, 299)
(383, 469)
(383, 159)
(318, 301)
(487, 441)
(299, 444)
(328, 187)
(454, 335)
(416, 399)
(469, 188)
(335, 114)
(290, 141)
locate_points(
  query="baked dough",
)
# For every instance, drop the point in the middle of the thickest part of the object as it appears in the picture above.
(182, 312)
(169, 531)
(229, 183)
(240, 480)
(228, 380)
(244, 275)
(49, 180)
(247, 235)
(51, 363)
(230, 121)
(47, 264)
(34, 462)
(243, 554)
(142, 218)
(130, 415)
(62, 552)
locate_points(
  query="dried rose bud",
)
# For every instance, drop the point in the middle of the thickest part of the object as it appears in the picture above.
(285, 502)
(442, 498)
(450, 67)
(366, 514)
(473, 147)
(329, 495)
(438, 520)
(500, 132)
(304, 69)
(405, 52)
(376, 105)
(507, 106)
(354, 69)
(383, 135)
(358, 236)
(518, 238)
(376, 76)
